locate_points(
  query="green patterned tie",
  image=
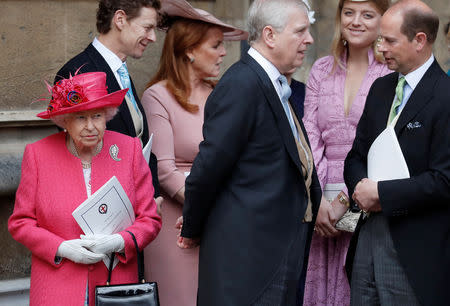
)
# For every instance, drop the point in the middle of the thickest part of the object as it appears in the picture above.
(398, 98)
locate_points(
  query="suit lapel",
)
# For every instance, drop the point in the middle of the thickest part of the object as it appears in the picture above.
(383, 101)
(111, 81)
(420, 97)
(101, 65)
(277, 109)
(145, 133)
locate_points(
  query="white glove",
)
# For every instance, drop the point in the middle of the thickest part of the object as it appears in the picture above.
(104, 244)
(76, 250)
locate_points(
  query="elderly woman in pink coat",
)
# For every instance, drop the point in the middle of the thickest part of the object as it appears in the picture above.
(59, 173)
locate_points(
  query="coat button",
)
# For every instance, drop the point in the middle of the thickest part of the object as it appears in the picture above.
(91, 267)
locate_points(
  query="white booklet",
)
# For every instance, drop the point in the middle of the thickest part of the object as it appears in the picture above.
(148, 148)
(385, 160)
(107, 211)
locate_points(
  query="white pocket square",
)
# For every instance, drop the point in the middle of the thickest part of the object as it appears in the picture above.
(414, 125)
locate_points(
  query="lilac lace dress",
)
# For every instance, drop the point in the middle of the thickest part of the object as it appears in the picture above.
(331, 135)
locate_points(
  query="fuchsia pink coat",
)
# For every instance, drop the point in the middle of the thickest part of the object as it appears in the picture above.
(51, 187)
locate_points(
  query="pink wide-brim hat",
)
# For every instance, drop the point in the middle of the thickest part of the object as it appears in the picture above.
(181, 8)
(81, 92)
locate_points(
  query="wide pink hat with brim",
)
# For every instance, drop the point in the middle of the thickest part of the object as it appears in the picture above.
(81, 92)
(181, 8)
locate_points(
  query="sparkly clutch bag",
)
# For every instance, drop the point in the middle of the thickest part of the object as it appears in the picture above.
(348, 221)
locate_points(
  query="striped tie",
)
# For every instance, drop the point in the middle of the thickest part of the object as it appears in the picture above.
(398, 98)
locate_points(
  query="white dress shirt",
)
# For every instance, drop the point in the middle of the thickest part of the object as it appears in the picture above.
(412, 79)
(274, 74)
(113, 61)
(268, 67)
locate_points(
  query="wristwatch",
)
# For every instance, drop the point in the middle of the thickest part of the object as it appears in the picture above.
(343, 199)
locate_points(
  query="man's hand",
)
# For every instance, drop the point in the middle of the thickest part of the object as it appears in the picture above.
(366, 195)
(179, 224)
(187, 243)
(183, 242)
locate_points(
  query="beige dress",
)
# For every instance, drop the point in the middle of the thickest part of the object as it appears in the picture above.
(176, 136)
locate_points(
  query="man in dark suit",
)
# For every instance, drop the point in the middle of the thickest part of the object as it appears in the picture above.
(125, 29)
(403, 249)
(253, 192)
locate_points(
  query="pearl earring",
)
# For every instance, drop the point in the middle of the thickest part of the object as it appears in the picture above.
(191, 60)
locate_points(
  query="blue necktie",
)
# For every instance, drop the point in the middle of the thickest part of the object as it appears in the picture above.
(285, 94)
(126, 83)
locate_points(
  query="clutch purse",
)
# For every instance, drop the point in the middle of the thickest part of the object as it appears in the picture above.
(141, 293)
(348, 221)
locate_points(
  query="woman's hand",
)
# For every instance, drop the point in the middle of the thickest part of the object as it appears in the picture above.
(326, 220)
(179, 196)
(159, 200)
(183, 242)
(77, 251)
(339, 209)
(104, 244)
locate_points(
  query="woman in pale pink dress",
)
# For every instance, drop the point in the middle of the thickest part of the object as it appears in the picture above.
(174, 102)
(335, 95)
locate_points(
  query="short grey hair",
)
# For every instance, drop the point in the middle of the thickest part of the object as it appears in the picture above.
(275, 13)
(59, 120)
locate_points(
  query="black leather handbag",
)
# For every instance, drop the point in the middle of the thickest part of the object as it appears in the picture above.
(142, 293)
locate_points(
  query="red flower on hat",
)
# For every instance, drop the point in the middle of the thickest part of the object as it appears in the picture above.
(80, 92)
(66, 93)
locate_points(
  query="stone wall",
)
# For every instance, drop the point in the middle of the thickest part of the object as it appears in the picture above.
(37, 37)
(323, 29)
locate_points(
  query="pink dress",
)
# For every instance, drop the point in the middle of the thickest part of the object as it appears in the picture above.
(331, 135)
(176, 136)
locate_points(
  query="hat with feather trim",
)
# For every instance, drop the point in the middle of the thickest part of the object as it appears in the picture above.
(181, 8)
(81, 92)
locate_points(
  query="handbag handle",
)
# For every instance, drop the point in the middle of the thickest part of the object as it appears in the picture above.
(140, 262)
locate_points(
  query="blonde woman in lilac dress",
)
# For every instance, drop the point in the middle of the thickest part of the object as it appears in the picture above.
(335, 95)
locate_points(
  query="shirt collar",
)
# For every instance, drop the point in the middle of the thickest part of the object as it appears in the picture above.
(268, 67)
(413, 78)
(110, 57)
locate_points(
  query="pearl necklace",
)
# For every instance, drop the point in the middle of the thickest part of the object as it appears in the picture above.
(73, 150)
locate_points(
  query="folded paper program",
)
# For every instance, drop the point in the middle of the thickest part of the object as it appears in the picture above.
(385, 160)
